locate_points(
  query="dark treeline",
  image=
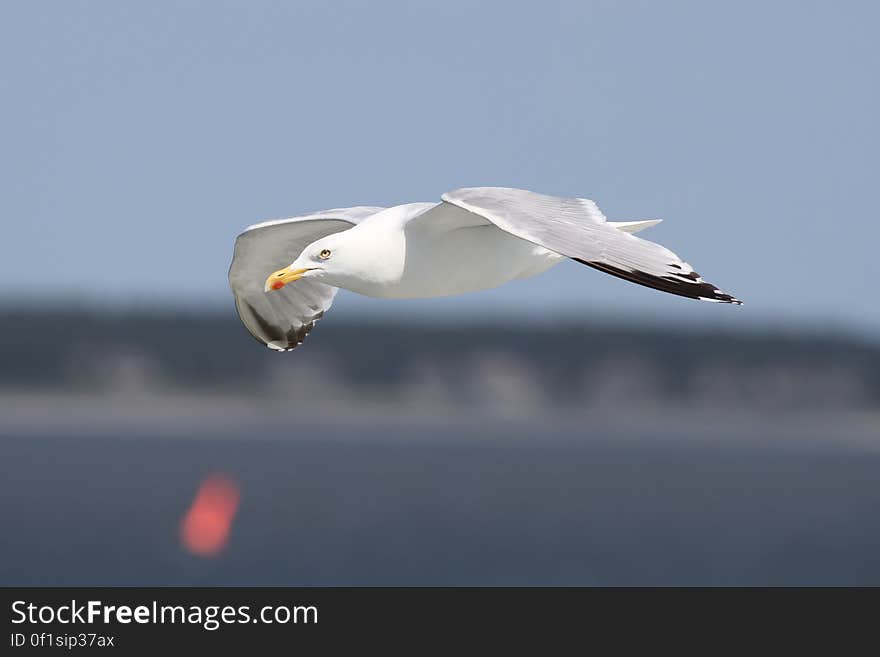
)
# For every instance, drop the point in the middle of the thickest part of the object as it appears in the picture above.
(82, 350)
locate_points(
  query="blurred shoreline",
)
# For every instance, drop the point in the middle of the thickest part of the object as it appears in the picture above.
(279, 420)
(198, 373)
(532, 367)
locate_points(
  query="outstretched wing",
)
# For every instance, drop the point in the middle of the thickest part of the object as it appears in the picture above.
(574, 227)
(282, 320)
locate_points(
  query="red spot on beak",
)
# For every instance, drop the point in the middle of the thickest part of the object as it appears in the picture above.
(277, 285)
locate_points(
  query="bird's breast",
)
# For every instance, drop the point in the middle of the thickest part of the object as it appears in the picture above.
(463, 260)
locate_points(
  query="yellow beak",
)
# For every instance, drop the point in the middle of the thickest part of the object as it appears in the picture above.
(282, 277)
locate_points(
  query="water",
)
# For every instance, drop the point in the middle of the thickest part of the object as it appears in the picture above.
(353, 507)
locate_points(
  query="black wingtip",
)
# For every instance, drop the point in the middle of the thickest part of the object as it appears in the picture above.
(689, 285)
(294, 337)
(274, 337)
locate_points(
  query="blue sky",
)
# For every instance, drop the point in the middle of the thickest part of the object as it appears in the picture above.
(139, 138)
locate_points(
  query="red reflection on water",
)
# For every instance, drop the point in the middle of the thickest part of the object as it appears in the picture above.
(204, 530)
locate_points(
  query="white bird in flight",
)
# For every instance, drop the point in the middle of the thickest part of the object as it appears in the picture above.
(285, 273)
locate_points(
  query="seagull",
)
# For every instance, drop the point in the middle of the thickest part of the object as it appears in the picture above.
(285, 273)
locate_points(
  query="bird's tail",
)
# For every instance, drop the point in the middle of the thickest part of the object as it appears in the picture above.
(634, 226)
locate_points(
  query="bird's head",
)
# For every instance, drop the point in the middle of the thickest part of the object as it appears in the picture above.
(337, 260)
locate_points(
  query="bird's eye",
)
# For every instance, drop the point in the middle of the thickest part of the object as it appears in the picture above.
(324, 254)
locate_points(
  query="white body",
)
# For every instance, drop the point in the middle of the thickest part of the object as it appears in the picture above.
(435, 259)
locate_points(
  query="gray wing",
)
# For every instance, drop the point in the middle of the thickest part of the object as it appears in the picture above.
(281, 320)
(575, 227)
